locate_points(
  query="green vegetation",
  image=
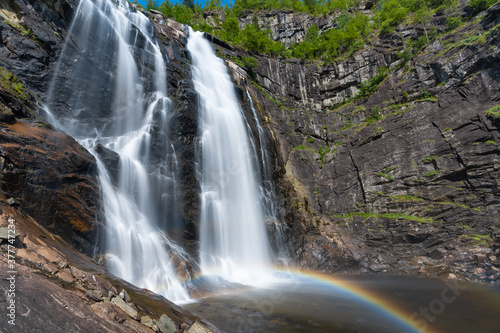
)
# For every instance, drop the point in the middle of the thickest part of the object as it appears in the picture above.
(481, 240)
(385, 175)
(478, 6)
(352, 28)
(322, 152)
(429, 159)
(249, 63)
(494, 112)
(368, 87)
(23, 30)
(350, 35)
(405, 198)
(374, 116)
(453, 22)
(278, 103)
(347, 126)
(12, 83)
(392, 216)
(431, 174)
(301, 147)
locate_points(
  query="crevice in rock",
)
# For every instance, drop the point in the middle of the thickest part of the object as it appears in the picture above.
(362, 188)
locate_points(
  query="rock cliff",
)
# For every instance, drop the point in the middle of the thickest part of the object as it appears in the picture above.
(403, 180)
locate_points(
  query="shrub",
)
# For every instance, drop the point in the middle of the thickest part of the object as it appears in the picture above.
(368, 87)
(494, 112)
(453, 22)
(477, 6)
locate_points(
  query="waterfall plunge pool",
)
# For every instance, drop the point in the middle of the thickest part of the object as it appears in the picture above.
(360, 303)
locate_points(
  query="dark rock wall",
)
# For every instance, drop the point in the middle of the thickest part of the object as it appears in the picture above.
(48, 174)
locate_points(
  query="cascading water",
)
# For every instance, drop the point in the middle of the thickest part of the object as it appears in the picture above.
(233, 241)
(111, 45)
(268, 193)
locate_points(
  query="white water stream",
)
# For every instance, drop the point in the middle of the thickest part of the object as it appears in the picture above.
(111, 45)
(233, 240)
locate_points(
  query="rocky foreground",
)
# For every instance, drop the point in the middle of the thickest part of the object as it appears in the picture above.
(58, 289)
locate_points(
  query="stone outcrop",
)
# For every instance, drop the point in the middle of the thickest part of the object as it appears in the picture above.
(48, 174)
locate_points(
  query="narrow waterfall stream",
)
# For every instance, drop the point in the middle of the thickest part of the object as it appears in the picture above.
(112, 77)
(233, 241)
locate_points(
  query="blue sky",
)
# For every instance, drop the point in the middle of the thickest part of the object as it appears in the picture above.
(143, 2)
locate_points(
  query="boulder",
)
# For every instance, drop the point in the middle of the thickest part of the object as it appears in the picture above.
(166, 325)
(130, 311)
(197, 327)
(147, 321)
(95, 295)
(124, 295)
(6, 235)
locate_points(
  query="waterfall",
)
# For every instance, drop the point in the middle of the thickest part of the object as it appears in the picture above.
(268, 193)
(267, 188)
(109, 92)
(233, 241)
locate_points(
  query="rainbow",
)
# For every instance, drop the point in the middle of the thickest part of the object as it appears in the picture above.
(367, 297)
(363, 295)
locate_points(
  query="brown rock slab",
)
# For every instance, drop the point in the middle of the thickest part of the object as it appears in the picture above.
(48, 307)
(147, 321)
(65, 275)
(197, 327)
(125, 307)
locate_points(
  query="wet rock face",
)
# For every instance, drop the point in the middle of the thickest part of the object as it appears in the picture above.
(31, 37)
(172, 37)
(51, 177)
(48, 174)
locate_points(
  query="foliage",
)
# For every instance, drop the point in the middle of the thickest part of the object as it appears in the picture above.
(494, 112)
(374, 116)
(12, 84)
(431, 174)
(385, 175)
(249, 62)
(477, 6)
(393, 13)
(352, 28)
(390, 216)
(368, 87)
(349, 36)
(151, 4)
(453, 22)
